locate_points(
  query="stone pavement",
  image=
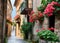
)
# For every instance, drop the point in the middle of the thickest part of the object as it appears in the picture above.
(13, 38)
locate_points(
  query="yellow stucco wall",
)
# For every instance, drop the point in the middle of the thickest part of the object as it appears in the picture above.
(9, 11)
(9, 29)
(18, 30)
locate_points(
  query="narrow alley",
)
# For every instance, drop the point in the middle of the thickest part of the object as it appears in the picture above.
(31, 21)
(13, 38)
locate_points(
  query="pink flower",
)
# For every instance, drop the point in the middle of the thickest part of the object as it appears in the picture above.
(50, 14)
(43, 28)
(40, 14)
(32, 12)
(52, 8)
(49, 10)
(34, 17)
(51, 28)
(54, 3)
(31, 20)
(49, 5)
(37, 30)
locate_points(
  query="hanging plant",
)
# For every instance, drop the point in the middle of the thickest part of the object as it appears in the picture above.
(26, 29)
(50, 7)
(34, 16)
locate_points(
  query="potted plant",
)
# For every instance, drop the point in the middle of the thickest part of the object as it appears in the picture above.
(34, 16)
(50, 7)
(48, 35)
(26, 28)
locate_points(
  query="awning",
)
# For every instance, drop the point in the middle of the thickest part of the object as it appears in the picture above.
(26, 11)
(17, 16)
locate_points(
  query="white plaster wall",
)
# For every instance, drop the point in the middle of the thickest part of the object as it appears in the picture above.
(57, 26)
(37, 3)
(23, 18)
(45, 23)
(36, 26)
(34, 5)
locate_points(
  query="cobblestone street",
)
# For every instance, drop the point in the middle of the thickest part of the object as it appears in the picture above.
(13, 38)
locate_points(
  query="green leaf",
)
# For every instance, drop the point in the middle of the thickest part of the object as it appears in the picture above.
(48, 35)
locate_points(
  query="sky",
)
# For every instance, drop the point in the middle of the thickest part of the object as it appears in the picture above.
(14, 9)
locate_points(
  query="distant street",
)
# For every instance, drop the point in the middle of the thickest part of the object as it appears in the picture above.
(13, 38)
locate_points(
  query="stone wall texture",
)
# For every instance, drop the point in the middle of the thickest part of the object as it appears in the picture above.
(57, 26)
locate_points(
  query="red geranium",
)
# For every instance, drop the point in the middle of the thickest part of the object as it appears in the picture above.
(54, 3)
(31, 19)
(32, 12)
(50, 8)
(40, 14)
(37, 30)
(35, 16)
(52, 29)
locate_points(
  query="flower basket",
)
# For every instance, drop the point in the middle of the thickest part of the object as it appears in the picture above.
(37, 16)
(50, 8)
(48, 35)
(26, 29)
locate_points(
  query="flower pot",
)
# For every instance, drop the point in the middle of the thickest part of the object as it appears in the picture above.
(43, 41)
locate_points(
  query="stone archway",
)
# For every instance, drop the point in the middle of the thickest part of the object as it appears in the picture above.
(18, 25)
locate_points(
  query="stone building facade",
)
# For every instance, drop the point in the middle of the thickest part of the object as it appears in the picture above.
(36, 4)
(57, 26)
(9, 18)
(18, 19)
(3, 12)
(1, 20)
